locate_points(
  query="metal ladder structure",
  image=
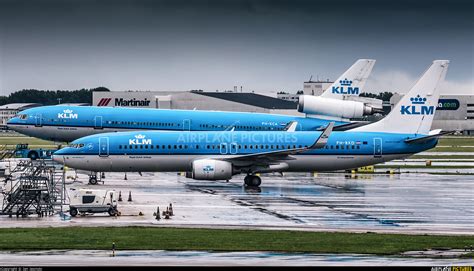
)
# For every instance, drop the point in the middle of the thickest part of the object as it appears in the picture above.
(6, 153)
(36, 187)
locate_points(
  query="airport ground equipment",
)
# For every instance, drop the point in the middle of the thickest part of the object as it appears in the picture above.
(93, 201)
(22, 151)
(33, 187)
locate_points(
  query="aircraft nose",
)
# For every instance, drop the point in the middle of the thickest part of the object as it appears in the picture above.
(58, 158)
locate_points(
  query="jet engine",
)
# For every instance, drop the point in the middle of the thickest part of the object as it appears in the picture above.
(315, 105)
(209, 169)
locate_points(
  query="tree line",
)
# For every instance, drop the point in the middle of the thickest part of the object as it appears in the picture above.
(50, 97)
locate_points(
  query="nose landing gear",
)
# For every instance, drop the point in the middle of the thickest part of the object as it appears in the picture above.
(252, 181)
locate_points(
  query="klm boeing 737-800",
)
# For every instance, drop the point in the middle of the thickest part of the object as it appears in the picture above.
(220, 155)
(67, 123)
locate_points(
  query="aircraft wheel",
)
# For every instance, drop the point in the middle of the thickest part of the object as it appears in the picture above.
(93, 180)
(247, 180)
(252, 181)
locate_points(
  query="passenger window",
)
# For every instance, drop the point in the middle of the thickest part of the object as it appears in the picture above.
(120, 147)
(337, 147)
(146, 146)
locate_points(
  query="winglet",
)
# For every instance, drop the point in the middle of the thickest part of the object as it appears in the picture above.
(323, 138)
(291, 126)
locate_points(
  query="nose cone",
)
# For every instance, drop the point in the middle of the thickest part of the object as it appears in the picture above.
(58, 158)
(11, 122)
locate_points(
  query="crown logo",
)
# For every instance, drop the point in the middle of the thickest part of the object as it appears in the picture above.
(67, 111)
(345, 82)
(139, 136)
(417, 100)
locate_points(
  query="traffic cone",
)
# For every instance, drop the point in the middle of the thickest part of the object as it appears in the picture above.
(120, 196)
(158, 213)
(125, 177)
(171, 210)
(129, 195)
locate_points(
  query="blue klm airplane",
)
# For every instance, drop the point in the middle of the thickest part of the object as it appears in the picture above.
(67, 123)
(219, 155)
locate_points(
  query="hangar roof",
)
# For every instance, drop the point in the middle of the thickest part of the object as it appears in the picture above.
(251, 99)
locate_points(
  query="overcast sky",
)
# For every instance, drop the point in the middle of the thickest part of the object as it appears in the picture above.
(262, 45)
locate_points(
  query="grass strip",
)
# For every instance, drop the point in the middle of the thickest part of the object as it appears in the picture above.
(155, 238)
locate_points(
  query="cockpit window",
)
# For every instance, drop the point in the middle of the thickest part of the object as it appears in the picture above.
(76, 146)
(23, 116)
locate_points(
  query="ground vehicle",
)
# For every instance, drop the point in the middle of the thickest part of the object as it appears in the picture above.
(22, 151)
(93, 201)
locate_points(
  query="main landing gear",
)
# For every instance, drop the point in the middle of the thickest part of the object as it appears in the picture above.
(252, 181)
(95, 179)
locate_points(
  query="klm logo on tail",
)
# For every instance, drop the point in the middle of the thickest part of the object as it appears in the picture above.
(417, 107)
(67, 114)
(139, 140)
(345, 88)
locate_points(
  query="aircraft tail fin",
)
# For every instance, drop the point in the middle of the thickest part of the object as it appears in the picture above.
(415, 111)
(351, 81)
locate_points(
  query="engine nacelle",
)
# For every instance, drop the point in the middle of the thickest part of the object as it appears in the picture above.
(315, 105)
(209, 169)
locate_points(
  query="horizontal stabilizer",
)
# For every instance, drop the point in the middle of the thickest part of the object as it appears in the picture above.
(428, 137)
(348, 126)
(291, 126)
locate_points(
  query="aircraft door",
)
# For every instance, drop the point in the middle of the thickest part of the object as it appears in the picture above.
(377, 147)
(38, 120)
(233, 148)
(98, 122)
(186, 125)
(103, 146)
(223, 148)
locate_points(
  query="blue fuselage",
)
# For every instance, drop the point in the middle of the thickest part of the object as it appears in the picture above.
(67, 123)
(175, 151)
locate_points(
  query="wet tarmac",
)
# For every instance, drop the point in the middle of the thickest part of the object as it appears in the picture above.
(401, 203)
(203, 258)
